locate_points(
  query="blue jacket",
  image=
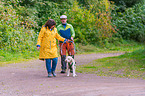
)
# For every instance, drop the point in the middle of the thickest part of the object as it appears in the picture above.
(66, 30)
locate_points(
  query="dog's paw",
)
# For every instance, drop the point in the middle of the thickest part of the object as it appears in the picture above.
(67, 75)
(75, 75)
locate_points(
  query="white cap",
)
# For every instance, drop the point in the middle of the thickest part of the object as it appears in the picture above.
(63, 16)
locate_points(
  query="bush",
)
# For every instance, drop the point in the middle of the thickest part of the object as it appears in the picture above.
(50, 9)
(92, 26)
(16, 33)
(21, 21)
(127, 3)
(131, 23)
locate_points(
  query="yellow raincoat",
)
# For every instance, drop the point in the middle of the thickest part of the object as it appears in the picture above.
(47, 42)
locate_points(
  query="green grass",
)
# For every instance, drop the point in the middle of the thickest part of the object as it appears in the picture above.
(130, 65)
(125, 46)
(15, 57)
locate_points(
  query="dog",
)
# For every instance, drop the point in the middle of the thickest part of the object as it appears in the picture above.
(70, 60)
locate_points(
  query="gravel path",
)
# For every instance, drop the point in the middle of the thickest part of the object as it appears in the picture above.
(30, 79)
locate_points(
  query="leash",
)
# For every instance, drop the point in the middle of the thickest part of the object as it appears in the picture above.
(68, 47)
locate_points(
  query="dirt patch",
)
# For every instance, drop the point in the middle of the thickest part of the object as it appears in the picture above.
(30, 79)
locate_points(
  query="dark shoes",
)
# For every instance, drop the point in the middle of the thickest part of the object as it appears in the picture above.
(49, 74)
(53, 73)
(63, 71)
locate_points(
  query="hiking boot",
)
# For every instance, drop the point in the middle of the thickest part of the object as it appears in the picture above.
(49, 74)
(63, 71)
(53, 73)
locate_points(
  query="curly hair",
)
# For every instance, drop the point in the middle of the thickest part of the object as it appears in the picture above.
(50, 23)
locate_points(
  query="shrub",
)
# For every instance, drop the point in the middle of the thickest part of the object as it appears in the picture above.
(127, 3)
(50, 9)
(92, 26)
(15, 33)
(131, 23)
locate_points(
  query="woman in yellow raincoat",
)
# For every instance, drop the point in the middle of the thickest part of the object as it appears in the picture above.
(47, 44)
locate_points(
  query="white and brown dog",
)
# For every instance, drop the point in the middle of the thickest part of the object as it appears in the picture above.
(70, 60)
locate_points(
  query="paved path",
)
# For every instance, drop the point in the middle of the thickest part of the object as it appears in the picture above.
(30, 79)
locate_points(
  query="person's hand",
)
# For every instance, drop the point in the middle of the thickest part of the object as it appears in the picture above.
(72, 39)
(38, 48)
(65, 40)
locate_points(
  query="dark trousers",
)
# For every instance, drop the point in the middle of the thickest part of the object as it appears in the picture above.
(63, 63)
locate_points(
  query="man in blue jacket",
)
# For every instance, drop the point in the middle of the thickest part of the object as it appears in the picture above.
(67, 31)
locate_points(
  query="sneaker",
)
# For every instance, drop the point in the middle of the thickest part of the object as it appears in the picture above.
(49, 74)
(53, 73)
(63, 71)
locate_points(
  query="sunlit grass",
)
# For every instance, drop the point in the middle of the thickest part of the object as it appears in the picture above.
(130, 65)
(125, 46)
(15, 57)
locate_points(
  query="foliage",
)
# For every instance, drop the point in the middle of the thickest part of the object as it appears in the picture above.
(82, 21)
(16, 33)
(131, 23)
(47, 9)
(92, 26)
(21, 22)
(104, 24)
(127, 3)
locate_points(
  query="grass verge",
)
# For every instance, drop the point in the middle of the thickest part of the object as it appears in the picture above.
(16, 57)
(129, 65)
(125, 46)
